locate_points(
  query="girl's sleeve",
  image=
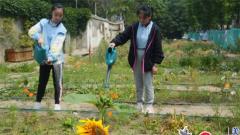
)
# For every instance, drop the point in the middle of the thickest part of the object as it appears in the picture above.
(34, 31)
(56, 47)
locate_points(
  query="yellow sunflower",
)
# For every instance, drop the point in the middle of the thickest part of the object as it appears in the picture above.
(91, 127)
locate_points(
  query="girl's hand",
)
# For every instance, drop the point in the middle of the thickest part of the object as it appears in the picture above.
(49, 62)
(40, 41)
(154, 69)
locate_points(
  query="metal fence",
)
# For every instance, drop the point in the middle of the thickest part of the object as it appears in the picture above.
(227, 39)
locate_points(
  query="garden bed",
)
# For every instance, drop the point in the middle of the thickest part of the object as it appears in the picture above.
(19, 55)
(183, 87)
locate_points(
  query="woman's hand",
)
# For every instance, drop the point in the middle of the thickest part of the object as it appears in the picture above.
(154, 69)
(112, 45)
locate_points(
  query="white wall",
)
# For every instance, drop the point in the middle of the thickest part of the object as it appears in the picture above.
(97, 29)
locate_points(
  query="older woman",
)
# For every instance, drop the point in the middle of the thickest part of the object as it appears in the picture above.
(144, 54)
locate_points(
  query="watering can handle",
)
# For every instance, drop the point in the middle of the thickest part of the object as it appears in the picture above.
(110, 49)
(112, 45)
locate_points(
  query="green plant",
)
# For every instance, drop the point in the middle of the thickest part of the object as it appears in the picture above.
(103, 103)
(190, 47)
(233, 65)
(226, 76)
(210, 62)
(23, 68)
(151, 124)
(76, 20)
(4, 69)
(27, 25)
(10, 36)
(32, 119)
(174, 122)
(12, 116)
(32, 11)
(189, 62)
(99, 56)
(25, 41)
(69, 122)
(236, 109)
(8, 32)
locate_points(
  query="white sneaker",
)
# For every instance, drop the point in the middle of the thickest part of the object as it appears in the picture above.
(139, 107)
(57, 107)
(37, 106)
(149, 109)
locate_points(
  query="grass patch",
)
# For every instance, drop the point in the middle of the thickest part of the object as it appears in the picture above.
(23, 68)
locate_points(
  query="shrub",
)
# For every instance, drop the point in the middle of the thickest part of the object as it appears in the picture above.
(189, 61)
(204, 46)
(75, 20)
(25, 41)
(233, 65)
(207, 63)
(33, 10)
(210, 62)
(10, 35)
(23, 68)
(8, 32)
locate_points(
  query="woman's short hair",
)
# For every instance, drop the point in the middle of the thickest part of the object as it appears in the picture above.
(146, 10)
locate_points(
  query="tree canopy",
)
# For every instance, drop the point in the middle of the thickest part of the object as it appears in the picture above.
(175, 17)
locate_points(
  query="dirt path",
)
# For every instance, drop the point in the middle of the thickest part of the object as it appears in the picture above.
(173, 87)
(191, 88)
(196, 110)
(190, 110)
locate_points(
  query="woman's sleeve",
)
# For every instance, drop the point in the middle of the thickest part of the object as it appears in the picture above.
(158, 54)
(123, 37)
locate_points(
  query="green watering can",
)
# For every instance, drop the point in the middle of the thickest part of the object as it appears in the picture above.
(110, 58)
(40, 54)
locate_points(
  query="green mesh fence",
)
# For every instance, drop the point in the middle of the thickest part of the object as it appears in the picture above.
(224, 38)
